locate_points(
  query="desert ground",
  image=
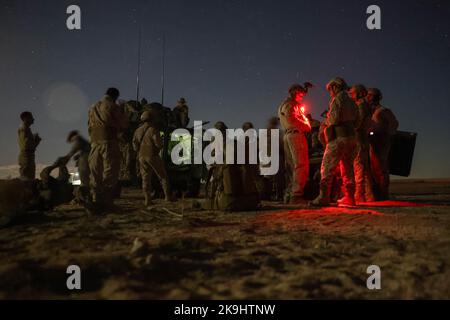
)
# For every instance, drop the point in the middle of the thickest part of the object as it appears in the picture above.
(178, 251)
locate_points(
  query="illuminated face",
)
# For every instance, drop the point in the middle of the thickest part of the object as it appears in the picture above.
(298, 97)
(353, 94)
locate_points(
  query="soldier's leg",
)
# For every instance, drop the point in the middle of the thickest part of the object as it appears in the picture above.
(377, 153)
(384, 164)
(348, 179)
(111, 165)
(27, 167)
(158, 167)
(146, 175)
(84, 171)
(360, 167)
(128, 161)
(96, 170)
(330, 161)
(288, 167)
(368, 183)
(299, 151)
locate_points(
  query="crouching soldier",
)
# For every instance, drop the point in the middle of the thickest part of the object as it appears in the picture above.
(18, 197)
(231, 187)
(147, 143)
(55, 191)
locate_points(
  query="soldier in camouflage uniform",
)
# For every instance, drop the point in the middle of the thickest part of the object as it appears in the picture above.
(148, 143)
(27, 145)
(296, 126)
(105, 122)
(341, 144)
(80, 153)
(383, 125)
(361, 164)
(181, 113)
(127, 173)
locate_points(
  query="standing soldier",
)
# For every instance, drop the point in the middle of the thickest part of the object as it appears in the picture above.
(384, 124)
(105, 122)
(181, 113)
(341, 144)
(27, 145)
(361, 165)
(80, 153)
(296, 126)
(148, 143)
(128, 162)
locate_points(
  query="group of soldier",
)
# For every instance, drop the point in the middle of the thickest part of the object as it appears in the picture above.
(125, 142)
(355, 135)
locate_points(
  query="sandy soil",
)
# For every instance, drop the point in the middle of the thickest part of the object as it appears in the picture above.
(280, 252)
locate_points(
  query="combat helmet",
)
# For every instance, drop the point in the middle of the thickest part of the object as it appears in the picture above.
(147, 115)
(360, 90)
(339, 82)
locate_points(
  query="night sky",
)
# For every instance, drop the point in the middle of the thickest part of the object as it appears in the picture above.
(232, 60)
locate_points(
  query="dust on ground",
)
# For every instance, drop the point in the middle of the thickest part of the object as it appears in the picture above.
(281, 252)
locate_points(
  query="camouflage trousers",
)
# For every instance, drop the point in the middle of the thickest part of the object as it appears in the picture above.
(296, 162)
(104, 163)
(27, 166)
(361, 168)
(339, 152)
(379, 163)
(150, 165)
(83, 170)
(128, 163)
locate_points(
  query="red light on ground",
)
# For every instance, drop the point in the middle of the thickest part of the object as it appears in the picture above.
(392, 203)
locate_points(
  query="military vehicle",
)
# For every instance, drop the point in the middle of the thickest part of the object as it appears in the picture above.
(184, 178)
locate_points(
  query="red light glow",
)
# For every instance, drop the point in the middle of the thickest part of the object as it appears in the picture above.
(299, 111)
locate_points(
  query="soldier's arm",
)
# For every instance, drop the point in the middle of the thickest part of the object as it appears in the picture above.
(301, 122)
(378, 122)
(157, 140)
(137, 140)
(333, 114)
(119, 117)
(76, 147)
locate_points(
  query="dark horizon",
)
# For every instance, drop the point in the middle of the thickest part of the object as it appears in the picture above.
(232, 60)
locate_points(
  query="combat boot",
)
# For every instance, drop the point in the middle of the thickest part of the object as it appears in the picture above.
(297, 200)
(349, 196)
(323, 199)
(168, 196)
(286, 198)
(148, 199)
(359, 198)
(347, 201)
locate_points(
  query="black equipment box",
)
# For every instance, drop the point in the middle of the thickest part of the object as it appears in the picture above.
(402, 152)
